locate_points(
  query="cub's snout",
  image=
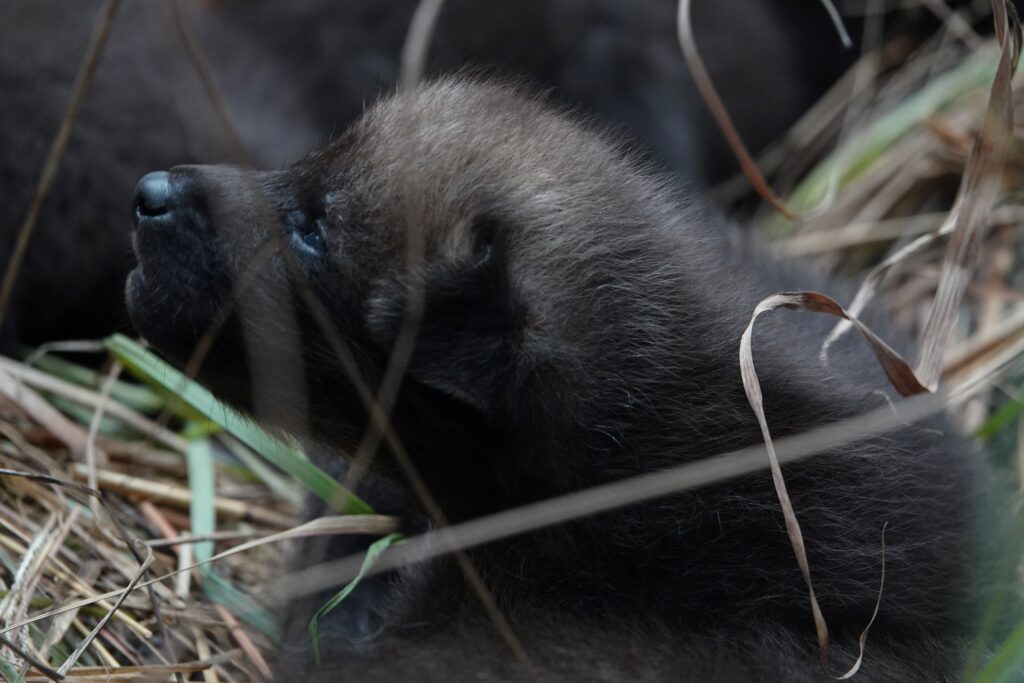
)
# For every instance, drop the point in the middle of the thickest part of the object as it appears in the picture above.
(173, 201)
(208, 241)
(181, 278)
(152, 196)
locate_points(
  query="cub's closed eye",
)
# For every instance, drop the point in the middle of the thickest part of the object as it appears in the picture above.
(486, 234)
(307, 235)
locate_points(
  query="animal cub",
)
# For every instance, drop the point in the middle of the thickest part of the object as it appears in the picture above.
(566, 318)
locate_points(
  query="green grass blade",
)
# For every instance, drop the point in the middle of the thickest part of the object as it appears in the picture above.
(1008, 662)
(9, 673)
(372, 553)
(201, 481)
(142, 399)
(282, 486)
(109, 426)
(860, 152)
(1003, 417)
(288, 458)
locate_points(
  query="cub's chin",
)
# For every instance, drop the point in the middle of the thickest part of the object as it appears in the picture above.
(171, 326)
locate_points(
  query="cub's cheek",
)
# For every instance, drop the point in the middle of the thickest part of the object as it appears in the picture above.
(133, 291)
(467, 342)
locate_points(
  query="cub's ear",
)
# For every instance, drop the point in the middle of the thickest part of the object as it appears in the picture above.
(467, 342)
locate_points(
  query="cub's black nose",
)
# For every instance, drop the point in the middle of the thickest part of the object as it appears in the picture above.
(151, 195)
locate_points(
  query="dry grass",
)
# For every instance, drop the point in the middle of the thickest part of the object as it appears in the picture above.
(871, 169)
(58, 548)
(879, 199)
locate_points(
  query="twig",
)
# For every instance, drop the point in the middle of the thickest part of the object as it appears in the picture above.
(73, 436)
(417, 43)
(41, 380)
(711, 98)
(78, 91)
(179, 496)
(243, 640)
(47, 671)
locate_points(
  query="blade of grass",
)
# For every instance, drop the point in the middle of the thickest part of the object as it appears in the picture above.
(901, 377)
(863, 149)
(713, 101)
(288, 458)
(372, 553)
(1008, 660)
(1006, 414)
(967, 220)
(109, 426)
(345, 524)
(282, 486)
(83, 81)
(141, 398)
(201, 480)
(978, 190)
(9, 673)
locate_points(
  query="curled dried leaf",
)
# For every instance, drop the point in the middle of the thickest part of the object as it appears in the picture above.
(902, 378)
(709, 94)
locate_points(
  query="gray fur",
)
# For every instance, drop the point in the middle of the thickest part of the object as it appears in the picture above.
(581, 324)
(293, 73)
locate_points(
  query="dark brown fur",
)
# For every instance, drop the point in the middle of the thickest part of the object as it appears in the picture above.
(580, 324)
(292, 73)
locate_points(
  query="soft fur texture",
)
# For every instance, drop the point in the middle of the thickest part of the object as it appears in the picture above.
(292, 73)
(580, 324)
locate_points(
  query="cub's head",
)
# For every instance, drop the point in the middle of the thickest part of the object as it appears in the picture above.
(516, 263)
